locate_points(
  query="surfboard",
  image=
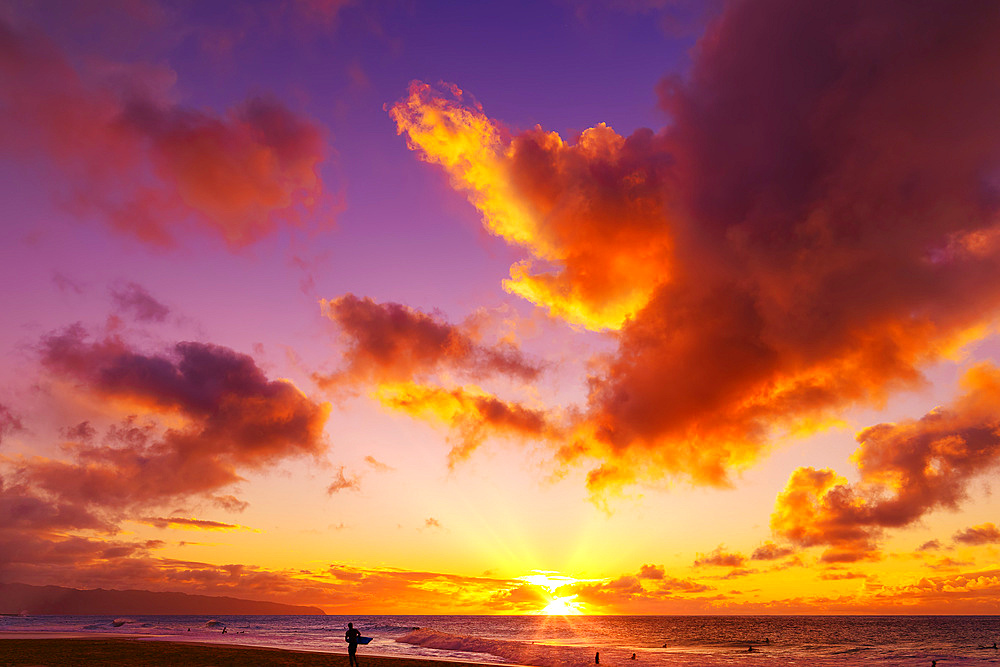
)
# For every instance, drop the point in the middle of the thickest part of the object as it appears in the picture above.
(362, 640)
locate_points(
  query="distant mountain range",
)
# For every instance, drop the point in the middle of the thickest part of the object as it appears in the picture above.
(17, 598)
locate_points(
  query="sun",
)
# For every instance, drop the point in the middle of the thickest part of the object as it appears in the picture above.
(551, 584)
(562, 607)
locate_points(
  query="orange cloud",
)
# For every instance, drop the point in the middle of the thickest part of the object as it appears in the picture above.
(88, 563)
(967, 592)
(35, 535)
(230, 503)
(720, 557)
(470, 412)
(771, 551)
(390, 342)
(399, 350)
(23, 509)
(225, 416)
(651, 572)
(377, 465)
(83, 562)
(24, 555)
(947, 563)
(907, 470)
(190, 524)
(342, 483)
(816, 223)
(523, 599)
(151, 168)
(642, 593)
(819, 507)
(590, 212)
(986, 533)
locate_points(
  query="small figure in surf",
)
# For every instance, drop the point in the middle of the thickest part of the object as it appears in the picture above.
(751, 650)
(597, 658)
(352, 636)
(633, 657)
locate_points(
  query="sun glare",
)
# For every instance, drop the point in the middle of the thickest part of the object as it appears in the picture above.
(562, 607)
(550, 583)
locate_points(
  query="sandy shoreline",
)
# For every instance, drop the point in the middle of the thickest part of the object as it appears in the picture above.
(87, 650)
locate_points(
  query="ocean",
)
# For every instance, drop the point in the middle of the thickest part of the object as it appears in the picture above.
(556, 641)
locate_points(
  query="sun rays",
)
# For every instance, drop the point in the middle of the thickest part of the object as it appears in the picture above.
(562, 607)
(550, 585)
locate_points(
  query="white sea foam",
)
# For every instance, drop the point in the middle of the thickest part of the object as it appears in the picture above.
(521, 652)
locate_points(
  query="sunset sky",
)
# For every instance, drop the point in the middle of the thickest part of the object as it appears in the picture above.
(635, 307)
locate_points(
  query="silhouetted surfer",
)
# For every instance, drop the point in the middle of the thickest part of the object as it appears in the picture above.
(597, 658)
(352, 636)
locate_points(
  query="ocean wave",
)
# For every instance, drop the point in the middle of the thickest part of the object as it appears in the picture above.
(375, 628)
(855, 649)
(513, 651)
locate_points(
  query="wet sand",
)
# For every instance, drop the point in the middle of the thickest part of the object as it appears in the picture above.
(23, 650)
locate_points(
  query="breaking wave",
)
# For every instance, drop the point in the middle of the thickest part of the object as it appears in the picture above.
(519, 652)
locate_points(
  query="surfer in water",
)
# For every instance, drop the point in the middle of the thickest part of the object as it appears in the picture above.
(351, 636)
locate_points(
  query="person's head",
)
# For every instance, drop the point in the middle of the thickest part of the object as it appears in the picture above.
(350, 625)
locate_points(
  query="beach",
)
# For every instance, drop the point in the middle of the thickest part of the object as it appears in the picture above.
(430, 641)
(64, 650)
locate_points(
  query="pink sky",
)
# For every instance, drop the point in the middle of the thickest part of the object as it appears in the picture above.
(640, 307)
